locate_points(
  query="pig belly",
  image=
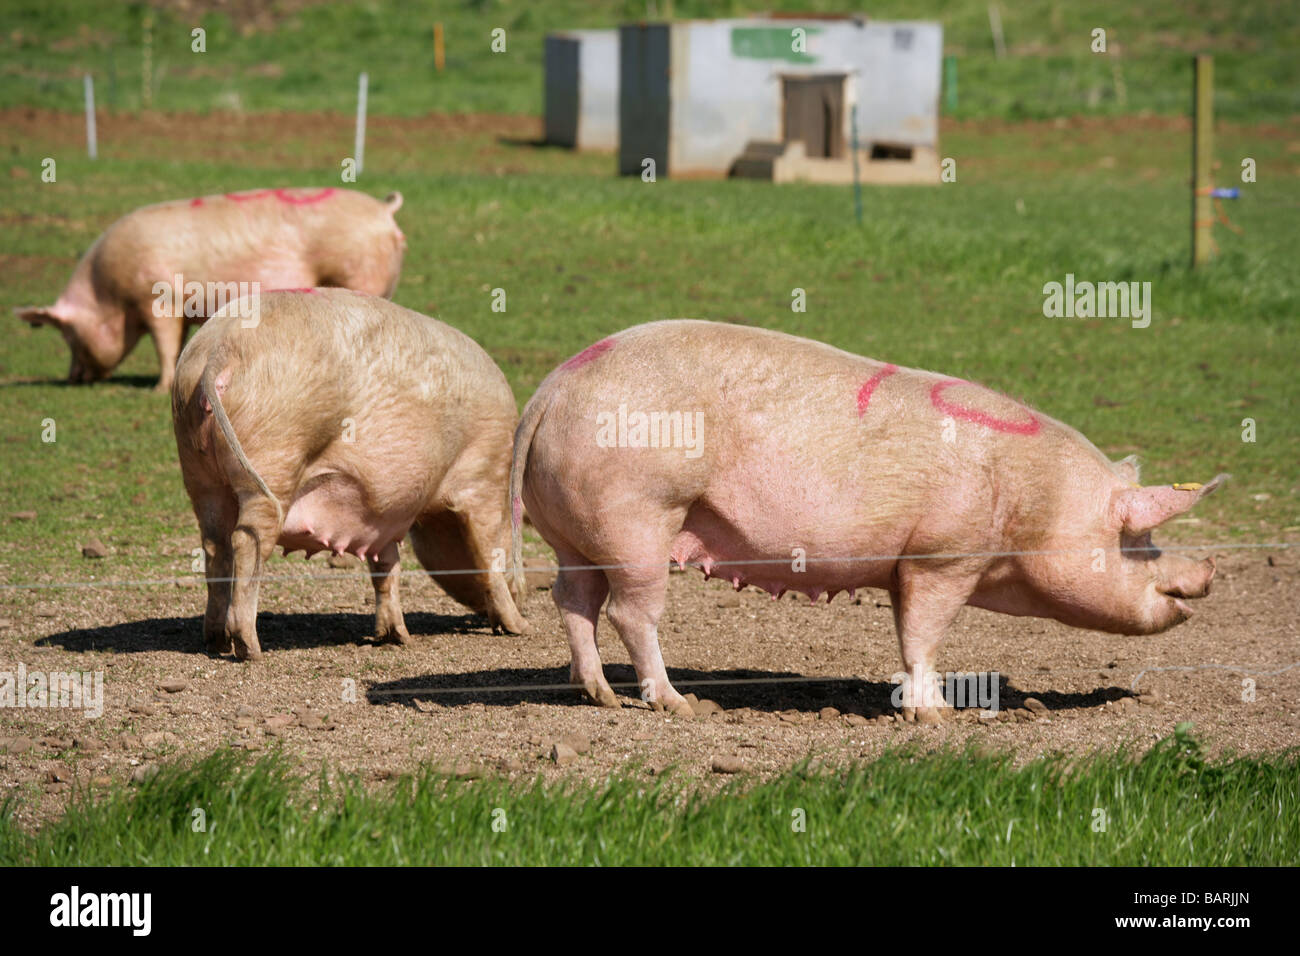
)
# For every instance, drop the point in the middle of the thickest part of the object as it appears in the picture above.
(331, 513)
(748, 549)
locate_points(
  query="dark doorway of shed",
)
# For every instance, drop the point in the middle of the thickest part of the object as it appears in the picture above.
(814, 113)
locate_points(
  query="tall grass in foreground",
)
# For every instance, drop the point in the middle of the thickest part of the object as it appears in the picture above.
(1170, 806)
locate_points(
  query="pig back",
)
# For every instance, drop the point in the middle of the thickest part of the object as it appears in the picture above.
(363, 382)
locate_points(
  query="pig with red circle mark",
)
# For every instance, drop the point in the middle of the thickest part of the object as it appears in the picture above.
(162, 268)
(784, 463)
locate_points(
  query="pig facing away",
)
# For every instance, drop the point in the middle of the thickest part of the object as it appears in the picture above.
(340, 421)
(780, 462)
(201, 250)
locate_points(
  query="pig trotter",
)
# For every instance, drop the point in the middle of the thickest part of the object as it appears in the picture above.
(247, 648)
(600, 693)
(218, 642)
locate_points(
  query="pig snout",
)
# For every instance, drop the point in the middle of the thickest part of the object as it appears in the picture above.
(1192, 581)
(1181, 578)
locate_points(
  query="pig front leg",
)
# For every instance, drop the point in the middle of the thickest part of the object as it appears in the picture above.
(168, 333)
(448, 541)
(385, 574)
(578, 595)
(925, 603)
(256, 531)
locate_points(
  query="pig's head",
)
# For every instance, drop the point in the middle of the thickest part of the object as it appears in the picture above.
(97, 347)
(1108, 575)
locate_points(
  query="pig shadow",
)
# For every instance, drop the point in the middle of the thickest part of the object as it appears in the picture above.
(760, 690)
(276, 632)
(146, 382)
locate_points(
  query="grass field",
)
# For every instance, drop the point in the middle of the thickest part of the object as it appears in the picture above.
(1169, 807)
(947, 277)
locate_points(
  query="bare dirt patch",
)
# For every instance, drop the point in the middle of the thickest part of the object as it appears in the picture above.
(792, 681)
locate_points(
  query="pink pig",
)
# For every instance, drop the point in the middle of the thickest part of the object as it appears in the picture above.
(163, 267)
(787, 464)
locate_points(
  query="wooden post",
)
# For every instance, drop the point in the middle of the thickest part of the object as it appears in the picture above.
(439, 55)
(1202, 157)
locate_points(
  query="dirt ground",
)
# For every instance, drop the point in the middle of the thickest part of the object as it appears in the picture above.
(792, 681)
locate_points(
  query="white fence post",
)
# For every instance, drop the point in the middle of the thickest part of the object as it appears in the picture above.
(362, 86)
(92, 146)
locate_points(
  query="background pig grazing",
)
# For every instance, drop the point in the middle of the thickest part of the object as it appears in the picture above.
(280, 238)
(340, 421)
(745, 450)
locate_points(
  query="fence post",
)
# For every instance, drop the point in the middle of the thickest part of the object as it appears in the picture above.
(92, 144)
(1202, 158)
(362, 85)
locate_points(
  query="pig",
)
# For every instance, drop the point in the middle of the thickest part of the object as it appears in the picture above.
(327, 419)
(784, 463)
(164, 267)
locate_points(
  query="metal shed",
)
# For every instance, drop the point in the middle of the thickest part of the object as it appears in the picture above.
(581, 89)
(772, 97)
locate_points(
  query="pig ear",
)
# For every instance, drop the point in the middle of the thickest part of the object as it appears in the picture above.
(1140, 510)
(35, 316)
(1127, 469)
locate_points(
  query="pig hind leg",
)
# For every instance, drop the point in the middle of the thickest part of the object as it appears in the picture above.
(216, 522)
(637, 589)
(385, 574)
(925, 602)
(256, 530)
(579, 594)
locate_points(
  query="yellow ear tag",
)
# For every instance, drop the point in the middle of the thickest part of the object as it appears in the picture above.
(1188, 486)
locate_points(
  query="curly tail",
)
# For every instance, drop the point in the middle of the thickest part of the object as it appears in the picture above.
(212, 397)
(528, 422)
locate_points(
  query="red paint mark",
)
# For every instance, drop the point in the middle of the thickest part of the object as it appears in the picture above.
(196, 202)
(869, 386)
(1030, 427)
(284, 196)
(588, 354)
(307, 291)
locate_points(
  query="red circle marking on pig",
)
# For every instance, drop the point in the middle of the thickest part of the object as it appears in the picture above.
(284, 196)
(196, 202)
(980, 418)
(589, 353)
(869, 386)
(245, 197)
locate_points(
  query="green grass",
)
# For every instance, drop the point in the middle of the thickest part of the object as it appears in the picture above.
(1169, 807)
(947, 277)
(307, 57)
